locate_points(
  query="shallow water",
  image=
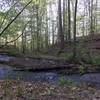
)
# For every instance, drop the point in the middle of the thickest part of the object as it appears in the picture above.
(8, 72)
(5, 58)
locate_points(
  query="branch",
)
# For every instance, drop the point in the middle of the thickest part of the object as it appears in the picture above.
(16, 38)
(14, 18)
(7, 14)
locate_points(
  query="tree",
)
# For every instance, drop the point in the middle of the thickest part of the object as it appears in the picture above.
(60, 29)
(69, 21)
(74, 31)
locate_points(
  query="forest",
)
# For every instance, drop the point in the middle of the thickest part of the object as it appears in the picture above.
(49, 50)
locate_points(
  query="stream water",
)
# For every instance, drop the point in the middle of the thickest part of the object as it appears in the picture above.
(8, 72)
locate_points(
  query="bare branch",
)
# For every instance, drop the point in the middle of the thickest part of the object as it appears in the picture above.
(14, 18)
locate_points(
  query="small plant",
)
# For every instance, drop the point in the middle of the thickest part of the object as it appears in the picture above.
(82, 70)
(64, 81)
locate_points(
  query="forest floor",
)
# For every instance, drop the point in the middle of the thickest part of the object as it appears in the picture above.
(17, 90)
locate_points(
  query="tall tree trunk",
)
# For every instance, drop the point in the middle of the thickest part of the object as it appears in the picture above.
(96, 22)
(60, 29)
(37, 18)
(91, 26)
(74, 31)
(69, 21)
(53, 32)
(64, 13)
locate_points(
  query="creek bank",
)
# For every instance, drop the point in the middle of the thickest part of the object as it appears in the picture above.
(44, 64)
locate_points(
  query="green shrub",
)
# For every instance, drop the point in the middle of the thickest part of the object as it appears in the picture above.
(63, 81)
